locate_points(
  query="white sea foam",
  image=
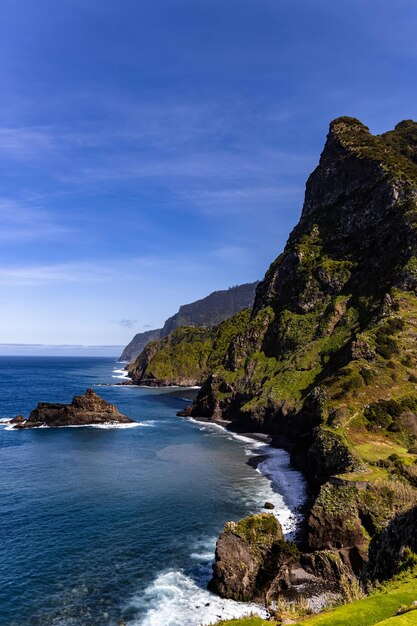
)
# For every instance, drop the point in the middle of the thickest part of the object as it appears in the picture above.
(204, 551)
(175, 599)
(287, 482)
(9, 426)
(285, 487)
(121, 374)
(107, 426)
(153, 423)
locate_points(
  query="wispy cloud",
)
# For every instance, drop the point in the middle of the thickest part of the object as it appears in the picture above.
(37, 275)
(235, 200)
(134, 270)
(194, 152)
(235, 254)
(127, 323)
(25, 142)
(26, 221)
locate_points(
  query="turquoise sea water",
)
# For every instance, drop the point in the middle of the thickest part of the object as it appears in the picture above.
(99, 525)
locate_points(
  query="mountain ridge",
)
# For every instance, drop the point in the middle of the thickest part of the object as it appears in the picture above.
(205, 312)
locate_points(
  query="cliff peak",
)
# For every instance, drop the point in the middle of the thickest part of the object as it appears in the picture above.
(393, 152)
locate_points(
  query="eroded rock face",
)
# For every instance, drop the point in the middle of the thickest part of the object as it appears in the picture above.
(321, 454)
(248, 557)
(19, 419)
(255, 563)
(391, 549)
(335, 523)
(83, 410)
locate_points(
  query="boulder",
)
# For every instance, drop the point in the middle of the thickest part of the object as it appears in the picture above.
(249, 555)
(18, 419)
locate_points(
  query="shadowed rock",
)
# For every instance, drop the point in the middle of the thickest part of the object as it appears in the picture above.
(247, 557)
(83, 410)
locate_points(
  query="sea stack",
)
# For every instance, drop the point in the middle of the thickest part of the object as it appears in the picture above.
(83, 411)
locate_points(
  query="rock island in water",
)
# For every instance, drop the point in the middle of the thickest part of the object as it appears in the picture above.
(85, 410)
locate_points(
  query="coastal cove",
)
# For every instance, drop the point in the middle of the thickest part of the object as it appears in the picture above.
(120, 523)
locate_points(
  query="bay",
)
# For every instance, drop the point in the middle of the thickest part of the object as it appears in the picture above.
(102, 525)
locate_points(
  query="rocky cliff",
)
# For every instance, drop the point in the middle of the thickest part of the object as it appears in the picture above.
(138, 343)
(327, 362)
(213, 309)
(204, 313)
(335, 311)
(254, 562)
(187, 355)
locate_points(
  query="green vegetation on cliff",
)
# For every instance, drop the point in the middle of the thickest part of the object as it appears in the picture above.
(331, 342)
(327, 362)
(187, 355)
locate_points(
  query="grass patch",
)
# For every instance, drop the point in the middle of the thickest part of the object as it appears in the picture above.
(377, 449)
(378, 608)
(369, 476)
(408, 619)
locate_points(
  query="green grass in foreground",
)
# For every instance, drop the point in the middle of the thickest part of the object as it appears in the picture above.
(378, 608)
(401, 620)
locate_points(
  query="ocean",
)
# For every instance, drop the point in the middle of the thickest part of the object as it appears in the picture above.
(102, 526)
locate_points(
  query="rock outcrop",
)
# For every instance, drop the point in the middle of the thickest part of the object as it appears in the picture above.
(254, 563)
(395, 547)
(248, 557)
(205, 313)
(83, 411)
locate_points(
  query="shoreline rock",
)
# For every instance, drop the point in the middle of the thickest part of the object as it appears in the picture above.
(83, 411)
(254, 563)
(247, 553)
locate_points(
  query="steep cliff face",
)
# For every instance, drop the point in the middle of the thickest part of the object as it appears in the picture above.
(395, 548)
(213, 309)
(204, 313)
(138, 343)
(333, 325)
(328, 360)
(249, 555)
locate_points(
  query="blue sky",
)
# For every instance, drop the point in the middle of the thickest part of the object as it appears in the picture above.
(154, 151)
